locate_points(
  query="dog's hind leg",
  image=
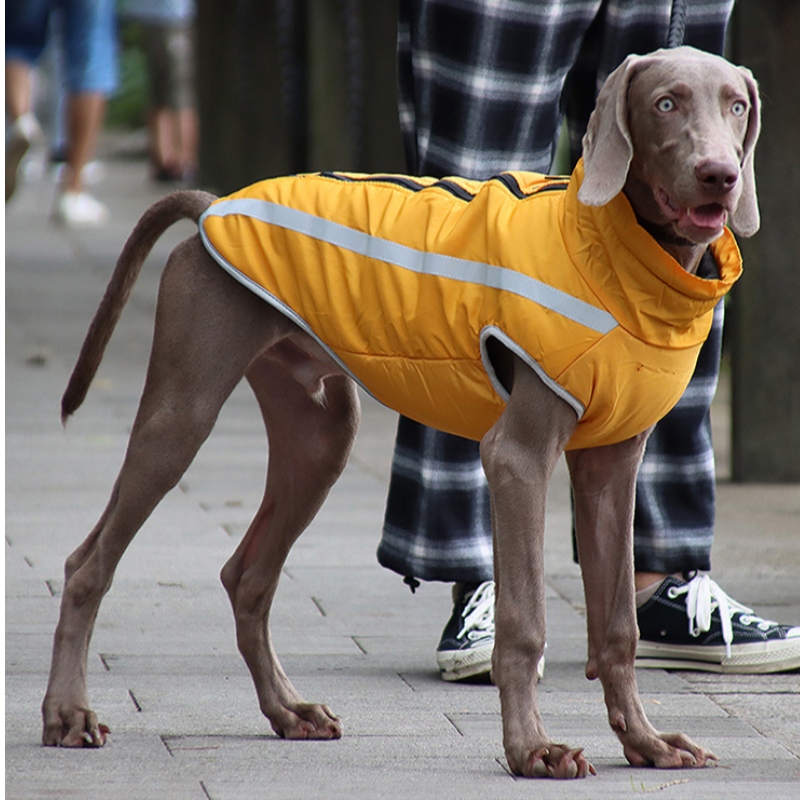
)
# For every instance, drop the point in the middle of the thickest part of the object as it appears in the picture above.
(208, 330)
(310, 437)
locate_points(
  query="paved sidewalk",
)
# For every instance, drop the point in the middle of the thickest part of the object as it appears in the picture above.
(164, 671)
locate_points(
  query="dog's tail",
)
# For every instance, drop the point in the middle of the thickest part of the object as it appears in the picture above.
(160, 216)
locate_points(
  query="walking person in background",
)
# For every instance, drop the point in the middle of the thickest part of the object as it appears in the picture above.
(483, 88)
(88, 38)
(168, 42)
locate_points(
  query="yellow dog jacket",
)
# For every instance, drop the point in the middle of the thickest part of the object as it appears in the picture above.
(404, 280)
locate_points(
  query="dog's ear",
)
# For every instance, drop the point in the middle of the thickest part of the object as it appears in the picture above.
(745, 219)
(607, 145)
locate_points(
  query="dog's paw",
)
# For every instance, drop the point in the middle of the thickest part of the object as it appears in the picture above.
(308, 721)
(73, 727)
(554, 761)
(667, 751)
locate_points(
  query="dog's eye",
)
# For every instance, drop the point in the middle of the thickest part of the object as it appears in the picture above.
(665, 105)
(739, 108)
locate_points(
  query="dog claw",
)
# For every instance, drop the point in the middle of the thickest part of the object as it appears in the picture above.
(309, 721)
(670, 751)
(77, 727)
(96, 737)
(573, 765)
(539, 767)
(559, 762)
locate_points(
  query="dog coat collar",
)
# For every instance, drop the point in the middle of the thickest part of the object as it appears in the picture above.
(404, 281)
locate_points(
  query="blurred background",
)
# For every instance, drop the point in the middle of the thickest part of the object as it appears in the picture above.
(283, 86)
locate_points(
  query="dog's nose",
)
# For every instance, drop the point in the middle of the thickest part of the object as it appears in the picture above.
(717, 176)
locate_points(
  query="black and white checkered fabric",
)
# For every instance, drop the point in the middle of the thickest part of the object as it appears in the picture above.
(484, 86)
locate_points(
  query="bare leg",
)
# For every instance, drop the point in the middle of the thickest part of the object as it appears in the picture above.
(18, 89)
(309, 443)
(208, 330)
(85, 112)
(164, 139)
(188, 127)
(23, 129)
(644, 580)
(173, 140)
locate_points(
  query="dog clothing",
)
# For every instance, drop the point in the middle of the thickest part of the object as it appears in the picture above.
(404, 281)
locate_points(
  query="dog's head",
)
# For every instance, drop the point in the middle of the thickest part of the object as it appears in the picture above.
(677, 130)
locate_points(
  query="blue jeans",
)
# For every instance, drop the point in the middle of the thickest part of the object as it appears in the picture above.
(88, 36)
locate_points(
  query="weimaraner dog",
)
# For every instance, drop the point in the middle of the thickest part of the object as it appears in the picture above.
(668, 161)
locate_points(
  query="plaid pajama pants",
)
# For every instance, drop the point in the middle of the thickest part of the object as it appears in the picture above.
(484, 86)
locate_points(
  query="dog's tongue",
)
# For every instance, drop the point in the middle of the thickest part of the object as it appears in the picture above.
(712, 215)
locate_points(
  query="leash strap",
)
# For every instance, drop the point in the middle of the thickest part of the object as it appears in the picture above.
(677, 23)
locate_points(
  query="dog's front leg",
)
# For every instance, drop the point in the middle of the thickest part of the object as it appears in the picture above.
(604, 482)
(519, 454)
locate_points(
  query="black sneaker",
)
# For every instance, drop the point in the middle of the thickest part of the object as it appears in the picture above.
(465, 649)
(695, 625)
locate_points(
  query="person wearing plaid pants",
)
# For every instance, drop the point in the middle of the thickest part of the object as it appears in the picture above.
(483, 87)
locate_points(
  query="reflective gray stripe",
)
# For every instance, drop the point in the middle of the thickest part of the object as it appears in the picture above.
(492, 332)
(435, 264)
(274, 301)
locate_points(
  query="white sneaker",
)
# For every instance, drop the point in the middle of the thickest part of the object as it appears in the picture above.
(79, 210)
(20, 134)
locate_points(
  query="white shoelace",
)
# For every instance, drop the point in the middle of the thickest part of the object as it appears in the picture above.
(703, 597)
(479, 613)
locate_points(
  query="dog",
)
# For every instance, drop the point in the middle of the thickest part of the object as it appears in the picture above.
(461, 325)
